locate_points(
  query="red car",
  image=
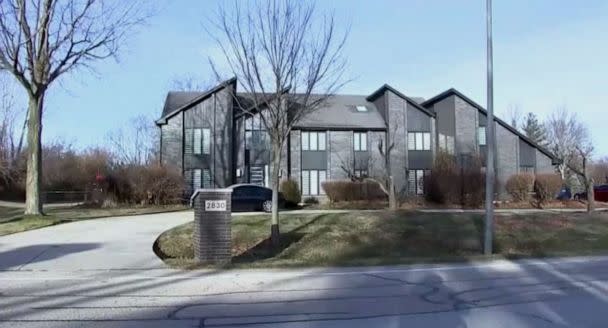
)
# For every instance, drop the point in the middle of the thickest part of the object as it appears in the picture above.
(600, 194)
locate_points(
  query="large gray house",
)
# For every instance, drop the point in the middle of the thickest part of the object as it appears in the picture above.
(214, 143)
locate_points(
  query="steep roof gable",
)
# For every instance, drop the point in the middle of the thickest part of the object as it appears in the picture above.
(179, 101)
(454, 92)
(411, 101)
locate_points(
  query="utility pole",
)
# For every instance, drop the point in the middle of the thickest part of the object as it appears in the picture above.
(490, 176)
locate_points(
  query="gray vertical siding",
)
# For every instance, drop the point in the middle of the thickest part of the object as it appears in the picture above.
(507, 154)
(314, 160)
(397, 120)
(239, 149)
(377, 163)
(171, 142)
(295, 154)
(222, 130)
(466, 124)
(341, 152)
(214, 113)
(527, 154)
(543, 163)
(444, 110)
(418, 121)
(455, 117)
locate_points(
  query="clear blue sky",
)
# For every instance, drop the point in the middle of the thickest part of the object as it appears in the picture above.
(548, 53)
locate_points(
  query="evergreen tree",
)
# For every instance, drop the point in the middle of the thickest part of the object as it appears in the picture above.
(534, 130)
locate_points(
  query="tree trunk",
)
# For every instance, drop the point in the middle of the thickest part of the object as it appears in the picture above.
(275, 236)
(33, 205)
(392, 197)
(590, 195)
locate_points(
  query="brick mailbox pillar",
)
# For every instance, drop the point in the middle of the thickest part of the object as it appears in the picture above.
(212, 215)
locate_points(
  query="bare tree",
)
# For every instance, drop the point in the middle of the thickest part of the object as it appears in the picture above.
(41, 40)
(564, 134)
(288, 60)
(385, 148)
(585, 149)
(600, 171)
(514, 115)
(11, 131)
(191, 83)
(136, 142)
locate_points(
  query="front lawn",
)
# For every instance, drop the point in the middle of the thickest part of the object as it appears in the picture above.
(12, 220)
(377, 238)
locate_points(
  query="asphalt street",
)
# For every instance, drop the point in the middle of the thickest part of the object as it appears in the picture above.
(102, 273)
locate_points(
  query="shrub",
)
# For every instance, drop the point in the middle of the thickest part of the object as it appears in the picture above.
(519, 186)
(139, 184)
(345, 190)
(546, 187)
(291, 192)
(473, 184)
(450, 183)
(440, 186)
(311, 201)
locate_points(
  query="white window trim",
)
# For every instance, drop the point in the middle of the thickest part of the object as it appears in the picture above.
(313, 141)
(419, 141)
(360, 141)
(310, 188)
(481, 131)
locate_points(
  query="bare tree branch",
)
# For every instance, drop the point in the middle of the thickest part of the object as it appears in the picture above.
(41, 40)
(286, 58)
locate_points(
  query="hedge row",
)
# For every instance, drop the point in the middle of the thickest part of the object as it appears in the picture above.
(345, 190)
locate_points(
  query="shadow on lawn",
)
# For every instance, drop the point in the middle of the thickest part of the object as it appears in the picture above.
(264, 250)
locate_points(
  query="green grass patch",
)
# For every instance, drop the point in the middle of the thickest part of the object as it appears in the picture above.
(12, 220)
(379, 238)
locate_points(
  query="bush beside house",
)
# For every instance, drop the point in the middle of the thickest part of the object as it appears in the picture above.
(519, 186)
(454, 183)
(546, 187)
(345, 190)
(291, 192)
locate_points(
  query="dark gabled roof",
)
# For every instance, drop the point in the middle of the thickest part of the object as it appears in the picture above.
(177, 101)
(412, 101)
(339, 112)
(455, 92)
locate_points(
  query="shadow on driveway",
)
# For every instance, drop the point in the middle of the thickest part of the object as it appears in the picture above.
(17, 258)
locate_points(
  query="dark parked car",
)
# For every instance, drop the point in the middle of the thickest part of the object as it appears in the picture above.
(600, 194)
(249, 197)
(564, 194)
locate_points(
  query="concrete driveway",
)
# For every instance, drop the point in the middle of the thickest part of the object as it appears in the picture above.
(103, 273)
(122, 243)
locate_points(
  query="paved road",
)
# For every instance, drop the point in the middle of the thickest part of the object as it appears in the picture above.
(102, 273)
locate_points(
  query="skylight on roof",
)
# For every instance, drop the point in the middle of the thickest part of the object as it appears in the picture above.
(361, 108)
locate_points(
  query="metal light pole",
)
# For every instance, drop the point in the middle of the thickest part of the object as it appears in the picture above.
(490, 144)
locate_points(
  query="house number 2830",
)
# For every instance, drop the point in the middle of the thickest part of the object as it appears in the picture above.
(215, 205)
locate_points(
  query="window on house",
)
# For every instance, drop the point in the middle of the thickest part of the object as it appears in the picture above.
(526, 169)
(256, 136)
(314, 141)
(361, 108)
(206, 141)
(312, 182)
(419, 141)
(188, 138)
(197, 142)
(416, 181)
(481, 132)
(207, 179)
(360, 141)
(196, 179)
(322, 178)
(361, 173)
(201, 178)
